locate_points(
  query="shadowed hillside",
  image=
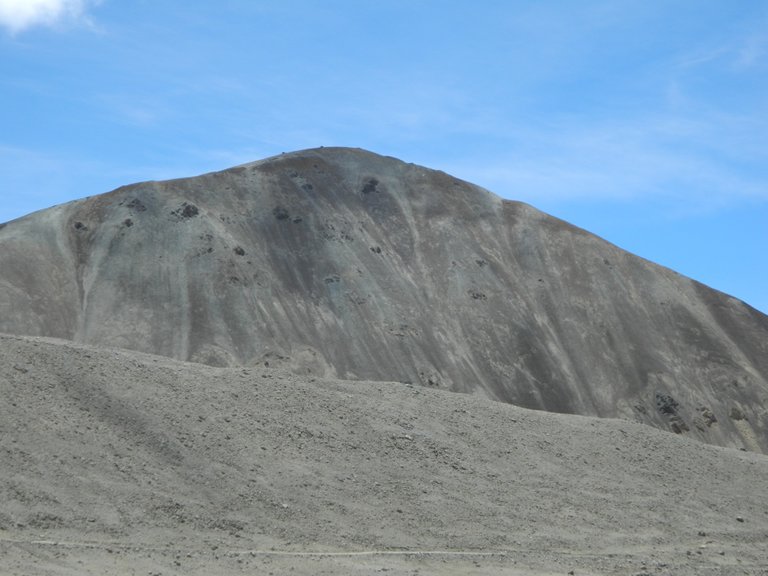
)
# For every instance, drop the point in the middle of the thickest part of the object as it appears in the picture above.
(341, 263)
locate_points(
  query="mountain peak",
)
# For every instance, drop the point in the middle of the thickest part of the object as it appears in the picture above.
(341, 262)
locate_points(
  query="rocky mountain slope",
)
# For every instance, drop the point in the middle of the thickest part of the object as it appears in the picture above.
(342, 263)
(117, 462)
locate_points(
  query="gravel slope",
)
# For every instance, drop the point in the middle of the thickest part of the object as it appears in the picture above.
(116, 462)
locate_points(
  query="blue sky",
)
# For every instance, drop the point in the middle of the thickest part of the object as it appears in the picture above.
(643, 122)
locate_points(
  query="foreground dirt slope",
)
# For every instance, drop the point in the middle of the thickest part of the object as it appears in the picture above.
(342, 263)
(112, 461)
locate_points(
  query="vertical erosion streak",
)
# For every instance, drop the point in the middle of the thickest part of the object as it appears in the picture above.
(72, 245)
(88, 265)
(182, 317)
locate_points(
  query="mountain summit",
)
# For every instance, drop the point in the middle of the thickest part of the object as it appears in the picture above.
(341, 263)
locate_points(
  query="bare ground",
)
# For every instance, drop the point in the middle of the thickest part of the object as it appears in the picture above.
(115, 462)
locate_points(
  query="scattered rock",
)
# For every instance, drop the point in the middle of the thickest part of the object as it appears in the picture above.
(705, 419)
(737, 414)
(665, 404)
(678, 425)
(280, 213)
(371, 185)
(186, 211)
(136, 205)
(476, 295)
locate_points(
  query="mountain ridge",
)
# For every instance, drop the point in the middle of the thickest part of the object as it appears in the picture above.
(342, 263)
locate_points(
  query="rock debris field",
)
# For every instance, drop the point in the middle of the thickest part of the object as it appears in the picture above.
(118, 462)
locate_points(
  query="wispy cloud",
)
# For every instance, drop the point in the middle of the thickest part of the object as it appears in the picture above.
(700, 163)
(753, 50)
(737, 52)
(18, 15)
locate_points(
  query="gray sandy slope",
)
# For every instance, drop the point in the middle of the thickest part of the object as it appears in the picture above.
(342, 263)
(117, 462)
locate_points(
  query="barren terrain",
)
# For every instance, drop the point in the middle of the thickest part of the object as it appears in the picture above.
(342, 263)
(255, 371)
(116, 462)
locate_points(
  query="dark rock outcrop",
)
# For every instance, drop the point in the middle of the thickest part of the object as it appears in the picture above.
(344, 263)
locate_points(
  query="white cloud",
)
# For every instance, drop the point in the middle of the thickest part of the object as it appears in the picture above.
(18, 15)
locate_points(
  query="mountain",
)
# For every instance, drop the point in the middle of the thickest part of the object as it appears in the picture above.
(345, 264)
(114, 462)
